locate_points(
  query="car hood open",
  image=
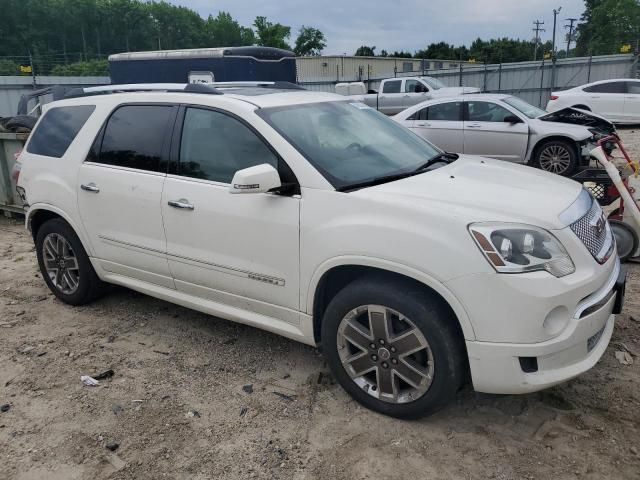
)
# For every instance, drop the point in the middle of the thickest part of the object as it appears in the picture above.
(481, 189)
(577, 116)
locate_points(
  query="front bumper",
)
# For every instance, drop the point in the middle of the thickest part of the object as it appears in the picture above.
(510, 368)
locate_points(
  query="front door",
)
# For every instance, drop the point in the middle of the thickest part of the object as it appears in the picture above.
(607, 99)
(441, 124)
(119, 191)
(240, 250)
(391, 97)
(414, 93)
(486, 133)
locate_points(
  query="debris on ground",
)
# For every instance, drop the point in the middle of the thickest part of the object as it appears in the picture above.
(624, 358)
(192, 414)
(104, 375)
(284, 396)
(247, 388)
(89, 381)
(113, 446)
(5, 408)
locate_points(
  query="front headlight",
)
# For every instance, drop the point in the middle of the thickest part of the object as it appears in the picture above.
(515, 248)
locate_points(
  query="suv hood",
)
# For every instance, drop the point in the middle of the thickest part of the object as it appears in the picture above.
(576, 116)
(477, 189)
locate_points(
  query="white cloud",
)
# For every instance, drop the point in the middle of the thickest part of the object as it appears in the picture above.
(401, 24)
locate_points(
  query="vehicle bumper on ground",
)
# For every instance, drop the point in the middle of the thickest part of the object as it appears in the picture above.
(511, 368)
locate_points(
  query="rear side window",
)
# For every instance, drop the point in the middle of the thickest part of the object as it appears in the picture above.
(633, 87)
(392, 86)
(134, 137)
(57, 129)
(450, 111)
(609, 87)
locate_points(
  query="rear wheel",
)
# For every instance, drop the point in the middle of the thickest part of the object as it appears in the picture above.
(64, 264)
(393, 347)
(556, 156)
(626, 239)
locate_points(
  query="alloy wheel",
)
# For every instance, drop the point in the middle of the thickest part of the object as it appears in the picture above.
(385, 354)
(61, 263)
(555, 159)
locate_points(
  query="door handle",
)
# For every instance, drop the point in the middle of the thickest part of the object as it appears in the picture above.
(182, 203)
(406, 96)
(423, 124)
(474, 125)
(90, 187)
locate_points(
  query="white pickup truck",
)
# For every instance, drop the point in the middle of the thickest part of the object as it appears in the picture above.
(397, 94)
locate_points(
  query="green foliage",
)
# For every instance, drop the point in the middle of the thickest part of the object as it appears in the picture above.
(365, 51)
(271, 34)
(8, 67)
(310, 41)
(224, 31)
(607, 25)
(97, 68)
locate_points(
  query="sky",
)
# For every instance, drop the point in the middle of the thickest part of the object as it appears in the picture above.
(400, 24)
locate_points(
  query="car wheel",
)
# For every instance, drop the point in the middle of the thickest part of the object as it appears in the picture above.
(626, 239)
(393, 347)
(556, 156)
(64, 264)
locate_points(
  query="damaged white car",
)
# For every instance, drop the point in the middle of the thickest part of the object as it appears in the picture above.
(508, 128)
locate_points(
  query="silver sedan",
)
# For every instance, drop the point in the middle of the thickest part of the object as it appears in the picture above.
(508, 128)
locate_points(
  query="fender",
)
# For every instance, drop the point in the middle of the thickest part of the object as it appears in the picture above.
(427, 280)
(51, 208)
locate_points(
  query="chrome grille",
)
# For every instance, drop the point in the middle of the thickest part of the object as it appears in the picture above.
(594, 232)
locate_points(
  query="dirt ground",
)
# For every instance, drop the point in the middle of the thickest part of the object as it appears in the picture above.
(196, 397)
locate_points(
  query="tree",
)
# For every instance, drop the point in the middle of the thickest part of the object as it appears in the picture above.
(608, 25)
(224, 31)
(8, 67)
(401, 54)
(91, 67)
(310, 41)
(365, 51)
(272, 34)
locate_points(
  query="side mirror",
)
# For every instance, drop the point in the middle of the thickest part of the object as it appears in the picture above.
(512, 119)
(258, 179)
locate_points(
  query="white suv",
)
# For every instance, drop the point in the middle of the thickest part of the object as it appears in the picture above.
(322, 220)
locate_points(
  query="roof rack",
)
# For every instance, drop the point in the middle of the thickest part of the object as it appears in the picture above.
(204, 88)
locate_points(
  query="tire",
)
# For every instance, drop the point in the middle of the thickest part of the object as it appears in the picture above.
(21, 123)
(424, 314)
(56, 236)
(626, 239)
(556, 156)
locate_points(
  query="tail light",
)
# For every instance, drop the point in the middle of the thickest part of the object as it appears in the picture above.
(554, 97)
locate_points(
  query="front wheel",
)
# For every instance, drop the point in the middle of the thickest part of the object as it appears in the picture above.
(393, 347)
(556, 156)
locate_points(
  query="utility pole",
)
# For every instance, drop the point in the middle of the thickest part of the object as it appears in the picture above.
(537, 23)
(570, 35)
(553, 42)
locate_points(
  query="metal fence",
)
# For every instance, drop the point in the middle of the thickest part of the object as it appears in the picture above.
(532, 81)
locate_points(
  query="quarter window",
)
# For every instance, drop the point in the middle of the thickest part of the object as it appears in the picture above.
(609, 87)
(215, 146)
(57, 129)
(633, 87)
(134, 137)
(392, 86)
(487, 112)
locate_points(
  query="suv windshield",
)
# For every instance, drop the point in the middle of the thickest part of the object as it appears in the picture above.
(350, 143)
(524, 107)
(433, 83)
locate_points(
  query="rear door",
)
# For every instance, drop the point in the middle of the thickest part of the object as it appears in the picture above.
(632, 101)
(120, 189)
(441, 124)
(486, 133)
(607, 99)
(390, 97)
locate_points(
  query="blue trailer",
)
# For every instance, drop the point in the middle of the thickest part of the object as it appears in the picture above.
(203, 65)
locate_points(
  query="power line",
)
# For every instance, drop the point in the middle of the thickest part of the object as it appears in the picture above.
(537, 23)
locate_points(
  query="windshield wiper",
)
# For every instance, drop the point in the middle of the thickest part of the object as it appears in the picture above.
(440, 157)
(444, 157)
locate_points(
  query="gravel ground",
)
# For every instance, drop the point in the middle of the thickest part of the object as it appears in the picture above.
(196, 397)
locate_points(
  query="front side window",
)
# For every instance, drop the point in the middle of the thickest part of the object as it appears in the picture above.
(524, 107)
(392, 86)
(608, 87)
(134, 137)
(410, 86)
(633, 87)
(215, 146)
(57, 129)
(349, 143)
(487, 112)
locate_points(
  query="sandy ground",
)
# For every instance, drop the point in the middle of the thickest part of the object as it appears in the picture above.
(196, 397)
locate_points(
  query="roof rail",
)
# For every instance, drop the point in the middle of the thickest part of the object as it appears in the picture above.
(144, 87)
(206, 88)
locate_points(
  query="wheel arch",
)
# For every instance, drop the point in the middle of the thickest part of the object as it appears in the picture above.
(38, 214)
(335, 274)
(565, 138)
